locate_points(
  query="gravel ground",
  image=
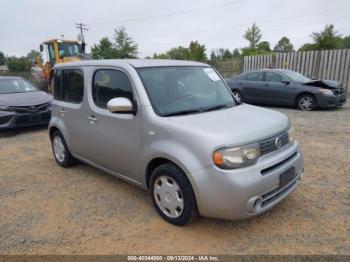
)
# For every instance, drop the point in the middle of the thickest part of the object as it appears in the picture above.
(45, 209)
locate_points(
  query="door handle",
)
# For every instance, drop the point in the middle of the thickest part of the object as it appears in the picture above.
(267, 84)
(92, 119)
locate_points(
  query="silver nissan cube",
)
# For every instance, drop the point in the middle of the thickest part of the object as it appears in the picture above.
(174, 128)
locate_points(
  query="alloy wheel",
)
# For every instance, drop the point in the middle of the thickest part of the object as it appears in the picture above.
(59, 149)
(168, 196)
(237, 97)
(306, 103)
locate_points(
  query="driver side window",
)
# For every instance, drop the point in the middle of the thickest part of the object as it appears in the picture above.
(109, 84)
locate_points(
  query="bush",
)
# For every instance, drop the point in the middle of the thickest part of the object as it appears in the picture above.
(20, 64)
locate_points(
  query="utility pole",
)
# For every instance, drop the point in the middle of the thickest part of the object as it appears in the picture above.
(82, 27)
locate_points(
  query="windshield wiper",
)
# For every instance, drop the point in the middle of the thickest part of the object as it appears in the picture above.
(184, 112)
(215, 108)
(200, 110)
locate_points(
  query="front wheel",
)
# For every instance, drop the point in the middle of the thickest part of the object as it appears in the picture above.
(172, 195)
(306, 103)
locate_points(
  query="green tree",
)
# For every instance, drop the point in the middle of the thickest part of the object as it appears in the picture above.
(346, 42)
(236, 53)
(2, 58)
(284, 45)
(178, 53)
(104, 50)
(124, 44)
(327, 39)
(161, 56)
(226, 54)
(253, 35)
(308, 47)
(264, 46)
(197, 52)
(33, 55)
(20, 64)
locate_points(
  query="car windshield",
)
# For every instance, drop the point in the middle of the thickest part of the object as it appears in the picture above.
(10, 86)
(185, 90)
(296, 77)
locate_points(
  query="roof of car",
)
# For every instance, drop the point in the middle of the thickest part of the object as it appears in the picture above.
(138, 63)
(10, 77)
(268, 69)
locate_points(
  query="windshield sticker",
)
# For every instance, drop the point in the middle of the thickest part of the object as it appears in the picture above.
(211, 74)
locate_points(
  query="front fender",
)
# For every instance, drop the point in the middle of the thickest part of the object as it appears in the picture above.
(176, 153)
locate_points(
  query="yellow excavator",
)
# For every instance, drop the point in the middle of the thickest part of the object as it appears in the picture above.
(59, 51)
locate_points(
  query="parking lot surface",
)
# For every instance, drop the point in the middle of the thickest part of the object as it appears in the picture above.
(45, 209)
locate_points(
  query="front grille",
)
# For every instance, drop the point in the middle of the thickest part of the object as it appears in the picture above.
(27, 119)
(5, 119)
(271, 168)
(22, 120)
(269, 145)
(30, 109)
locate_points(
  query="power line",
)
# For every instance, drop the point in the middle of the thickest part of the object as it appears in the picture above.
(167, 14)
(237, 26)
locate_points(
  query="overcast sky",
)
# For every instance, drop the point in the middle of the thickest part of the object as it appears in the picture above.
(157, 25)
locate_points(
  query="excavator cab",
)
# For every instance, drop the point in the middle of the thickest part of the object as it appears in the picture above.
(60, 51)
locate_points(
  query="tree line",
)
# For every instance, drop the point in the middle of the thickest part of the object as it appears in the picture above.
(121, 45)
(20, 64)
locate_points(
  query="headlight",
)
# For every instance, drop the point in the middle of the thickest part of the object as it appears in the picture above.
(291, 135)
(325, 91)
(237, 157)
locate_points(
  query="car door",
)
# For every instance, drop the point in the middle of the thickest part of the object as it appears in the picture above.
(278, 88)
(114, 139)
(251, 85)
(67, 105)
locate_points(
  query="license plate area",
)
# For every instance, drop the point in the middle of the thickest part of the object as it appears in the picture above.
(287, 176)
(34, 117)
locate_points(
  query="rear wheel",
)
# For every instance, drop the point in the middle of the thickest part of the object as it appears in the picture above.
(306, 102)
(172, 195)
(60, 150)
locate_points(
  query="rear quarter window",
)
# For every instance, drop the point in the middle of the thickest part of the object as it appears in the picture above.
(69, 85)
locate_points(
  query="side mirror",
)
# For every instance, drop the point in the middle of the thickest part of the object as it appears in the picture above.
(120, 105)
(286, 82)
(41, 48)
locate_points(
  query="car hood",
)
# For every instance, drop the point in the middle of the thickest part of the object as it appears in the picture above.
(25, 98)
(328, 84)
(233, 126)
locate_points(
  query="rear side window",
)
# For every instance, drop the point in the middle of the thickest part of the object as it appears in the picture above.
(255, 76)
(69, 85)
(274, 77)
(57, 87)
(109, 84)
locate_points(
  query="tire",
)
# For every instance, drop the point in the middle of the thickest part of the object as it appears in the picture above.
(60, 151)
(237, 96)
(172, 195)
(306, 102)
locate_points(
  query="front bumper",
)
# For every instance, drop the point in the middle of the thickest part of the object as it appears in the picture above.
(9, 119)
(246, 192)
(327, 101)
